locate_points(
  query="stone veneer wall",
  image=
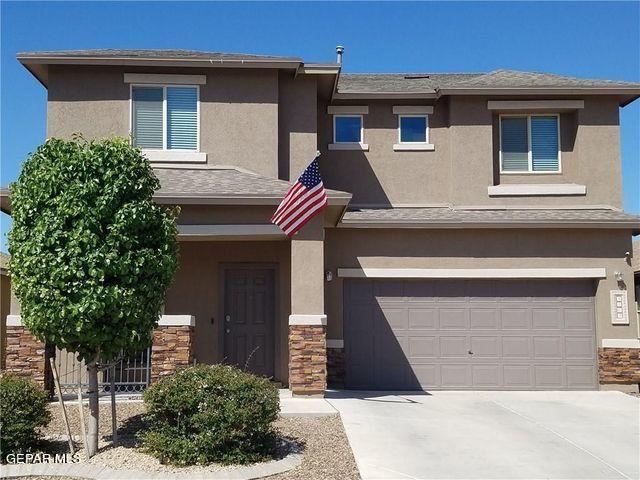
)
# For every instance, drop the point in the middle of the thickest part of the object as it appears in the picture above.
(307, 359)
(619, 365)
(26, 356)
(335, 367)
(172, 349)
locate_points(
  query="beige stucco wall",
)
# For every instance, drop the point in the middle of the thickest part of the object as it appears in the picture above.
(464, 163)
(196, 290)
(238, 108)
(358, 248)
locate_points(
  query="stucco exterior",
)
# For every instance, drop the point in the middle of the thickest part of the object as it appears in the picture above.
(271, 121)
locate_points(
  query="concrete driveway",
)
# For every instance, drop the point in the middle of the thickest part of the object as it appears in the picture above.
(492, 435)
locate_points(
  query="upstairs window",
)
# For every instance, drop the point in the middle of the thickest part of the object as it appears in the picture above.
(413, 129)
(165, 118)
(347, 129)
(529, 144)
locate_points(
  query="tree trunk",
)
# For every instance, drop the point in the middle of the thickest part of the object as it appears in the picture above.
(92, 437)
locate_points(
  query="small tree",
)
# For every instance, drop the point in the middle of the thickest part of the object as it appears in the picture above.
(91, 254)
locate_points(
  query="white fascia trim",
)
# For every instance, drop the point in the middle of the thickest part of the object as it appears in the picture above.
(158, 79)
(620, 343)
(335, 343)
(472, 272)
(406, 109)
(537, 190)
(14, 321)
(533, 105)
(347, 109)
(177, 320)
(349, 146)
(413, 147)
(181, 156)
(307, 319)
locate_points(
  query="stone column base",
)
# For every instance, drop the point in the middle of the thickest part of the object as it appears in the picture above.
(173, 345)
(619, 365)
(26, 356)
(307, 359)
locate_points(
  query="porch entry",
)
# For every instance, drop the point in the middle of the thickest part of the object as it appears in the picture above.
(249, 318)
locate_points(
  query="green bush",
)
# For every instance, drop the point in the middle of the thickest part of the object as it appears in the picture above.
(23, 411)
(211, 413)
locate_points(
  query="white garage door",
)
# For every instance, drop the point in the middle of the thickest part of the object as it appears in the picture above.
(470, 334)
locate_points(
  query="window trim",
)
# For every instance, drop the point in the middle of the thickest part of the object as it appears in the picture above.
(426, 128)
(530, 170)
(164, 87)
(343, 115)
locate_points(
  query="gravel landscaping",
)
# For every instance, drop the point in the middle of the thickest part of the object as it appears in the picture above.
(322, 440)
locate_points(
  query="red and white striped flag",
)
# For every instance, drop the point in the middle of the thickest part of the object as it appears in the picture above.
(305, 200)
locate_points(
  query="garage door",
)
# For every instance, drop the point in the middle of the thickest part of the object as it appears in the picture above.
(474, 334)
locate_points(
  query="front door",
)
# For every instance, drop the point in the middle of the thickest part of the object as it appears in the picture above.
(249, 318)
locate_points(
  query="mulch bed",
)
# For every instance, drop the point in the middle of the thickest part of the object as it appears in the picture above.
(326, 451)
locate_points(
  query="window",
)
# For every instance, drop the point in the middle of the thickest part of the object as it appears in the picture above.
(529, 144)
(413, 129)
(165, 118)
(347, 128)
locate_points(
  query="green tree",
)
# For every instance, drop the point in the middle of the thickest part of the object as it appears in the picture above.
(92, 255)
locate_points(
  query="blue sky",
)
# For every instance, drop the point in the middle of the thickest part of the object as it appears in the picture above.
(587, 39)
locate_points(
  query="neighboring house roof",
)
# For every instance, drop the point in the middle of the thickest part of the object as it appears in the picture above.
(225, 185)
(446, 217)
(4, 263)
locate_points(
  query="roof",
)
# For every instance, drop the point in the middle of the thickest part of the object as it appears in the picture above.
(228, 185)
(167, 54)
(446, 217)
(510, 81)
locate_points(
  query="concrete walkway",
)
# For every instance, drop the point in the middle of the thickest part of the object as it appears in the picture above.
(492, 435)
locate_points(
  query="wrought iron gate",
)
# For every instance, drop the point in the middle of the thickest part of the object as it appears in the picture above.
(132, 372)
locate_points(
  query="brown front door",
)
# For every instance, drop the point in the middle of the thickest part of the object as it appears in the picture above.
(249, 314)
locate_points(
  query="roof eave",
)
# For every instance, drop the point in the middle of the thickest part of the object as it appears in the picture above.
(629, 225)
(236, 199)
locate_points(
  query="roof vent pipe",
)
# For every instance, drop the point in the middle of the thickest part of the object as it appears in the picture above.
(339, 51)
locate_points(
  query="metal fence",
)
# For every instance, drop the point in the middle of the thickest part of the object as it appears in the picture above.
(132, 373)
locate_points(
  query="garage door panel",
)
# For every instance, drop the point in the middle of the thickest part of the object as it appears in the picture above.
(515, 319)
(548, 376)
(546, 319)
(423, 318)
(486, 375)
(580, 318)
(483, 318)
(516, 347)
(454, 346)
(454, 319)
(581, 376)
(547, 347)
(483, 334)
(517, 376)
(455, 375)
(579, 348)
(485, 347)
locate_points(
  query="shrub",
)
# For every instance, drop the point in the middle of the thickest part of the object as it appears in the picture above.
(211, 413)
(23, 411)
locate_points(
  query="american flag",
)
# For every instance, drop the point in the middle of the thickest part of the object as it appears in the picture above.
(306, 199)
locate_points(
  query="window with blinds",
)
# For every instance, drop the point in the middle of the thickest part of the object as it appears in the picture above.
(165, 118)
(529, 144)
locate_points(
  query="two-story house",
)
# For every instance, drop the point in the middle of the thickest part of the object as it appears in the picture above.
(474, 237)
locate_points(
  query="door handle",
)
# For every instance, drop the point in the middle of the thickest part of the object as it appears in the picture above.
(470, 352)
(228, 330)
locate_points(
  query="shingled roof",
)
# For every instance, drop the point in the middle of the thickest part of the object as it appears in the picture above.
(225, 184)
(446, 217)
(433, 82)
(167, 54)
